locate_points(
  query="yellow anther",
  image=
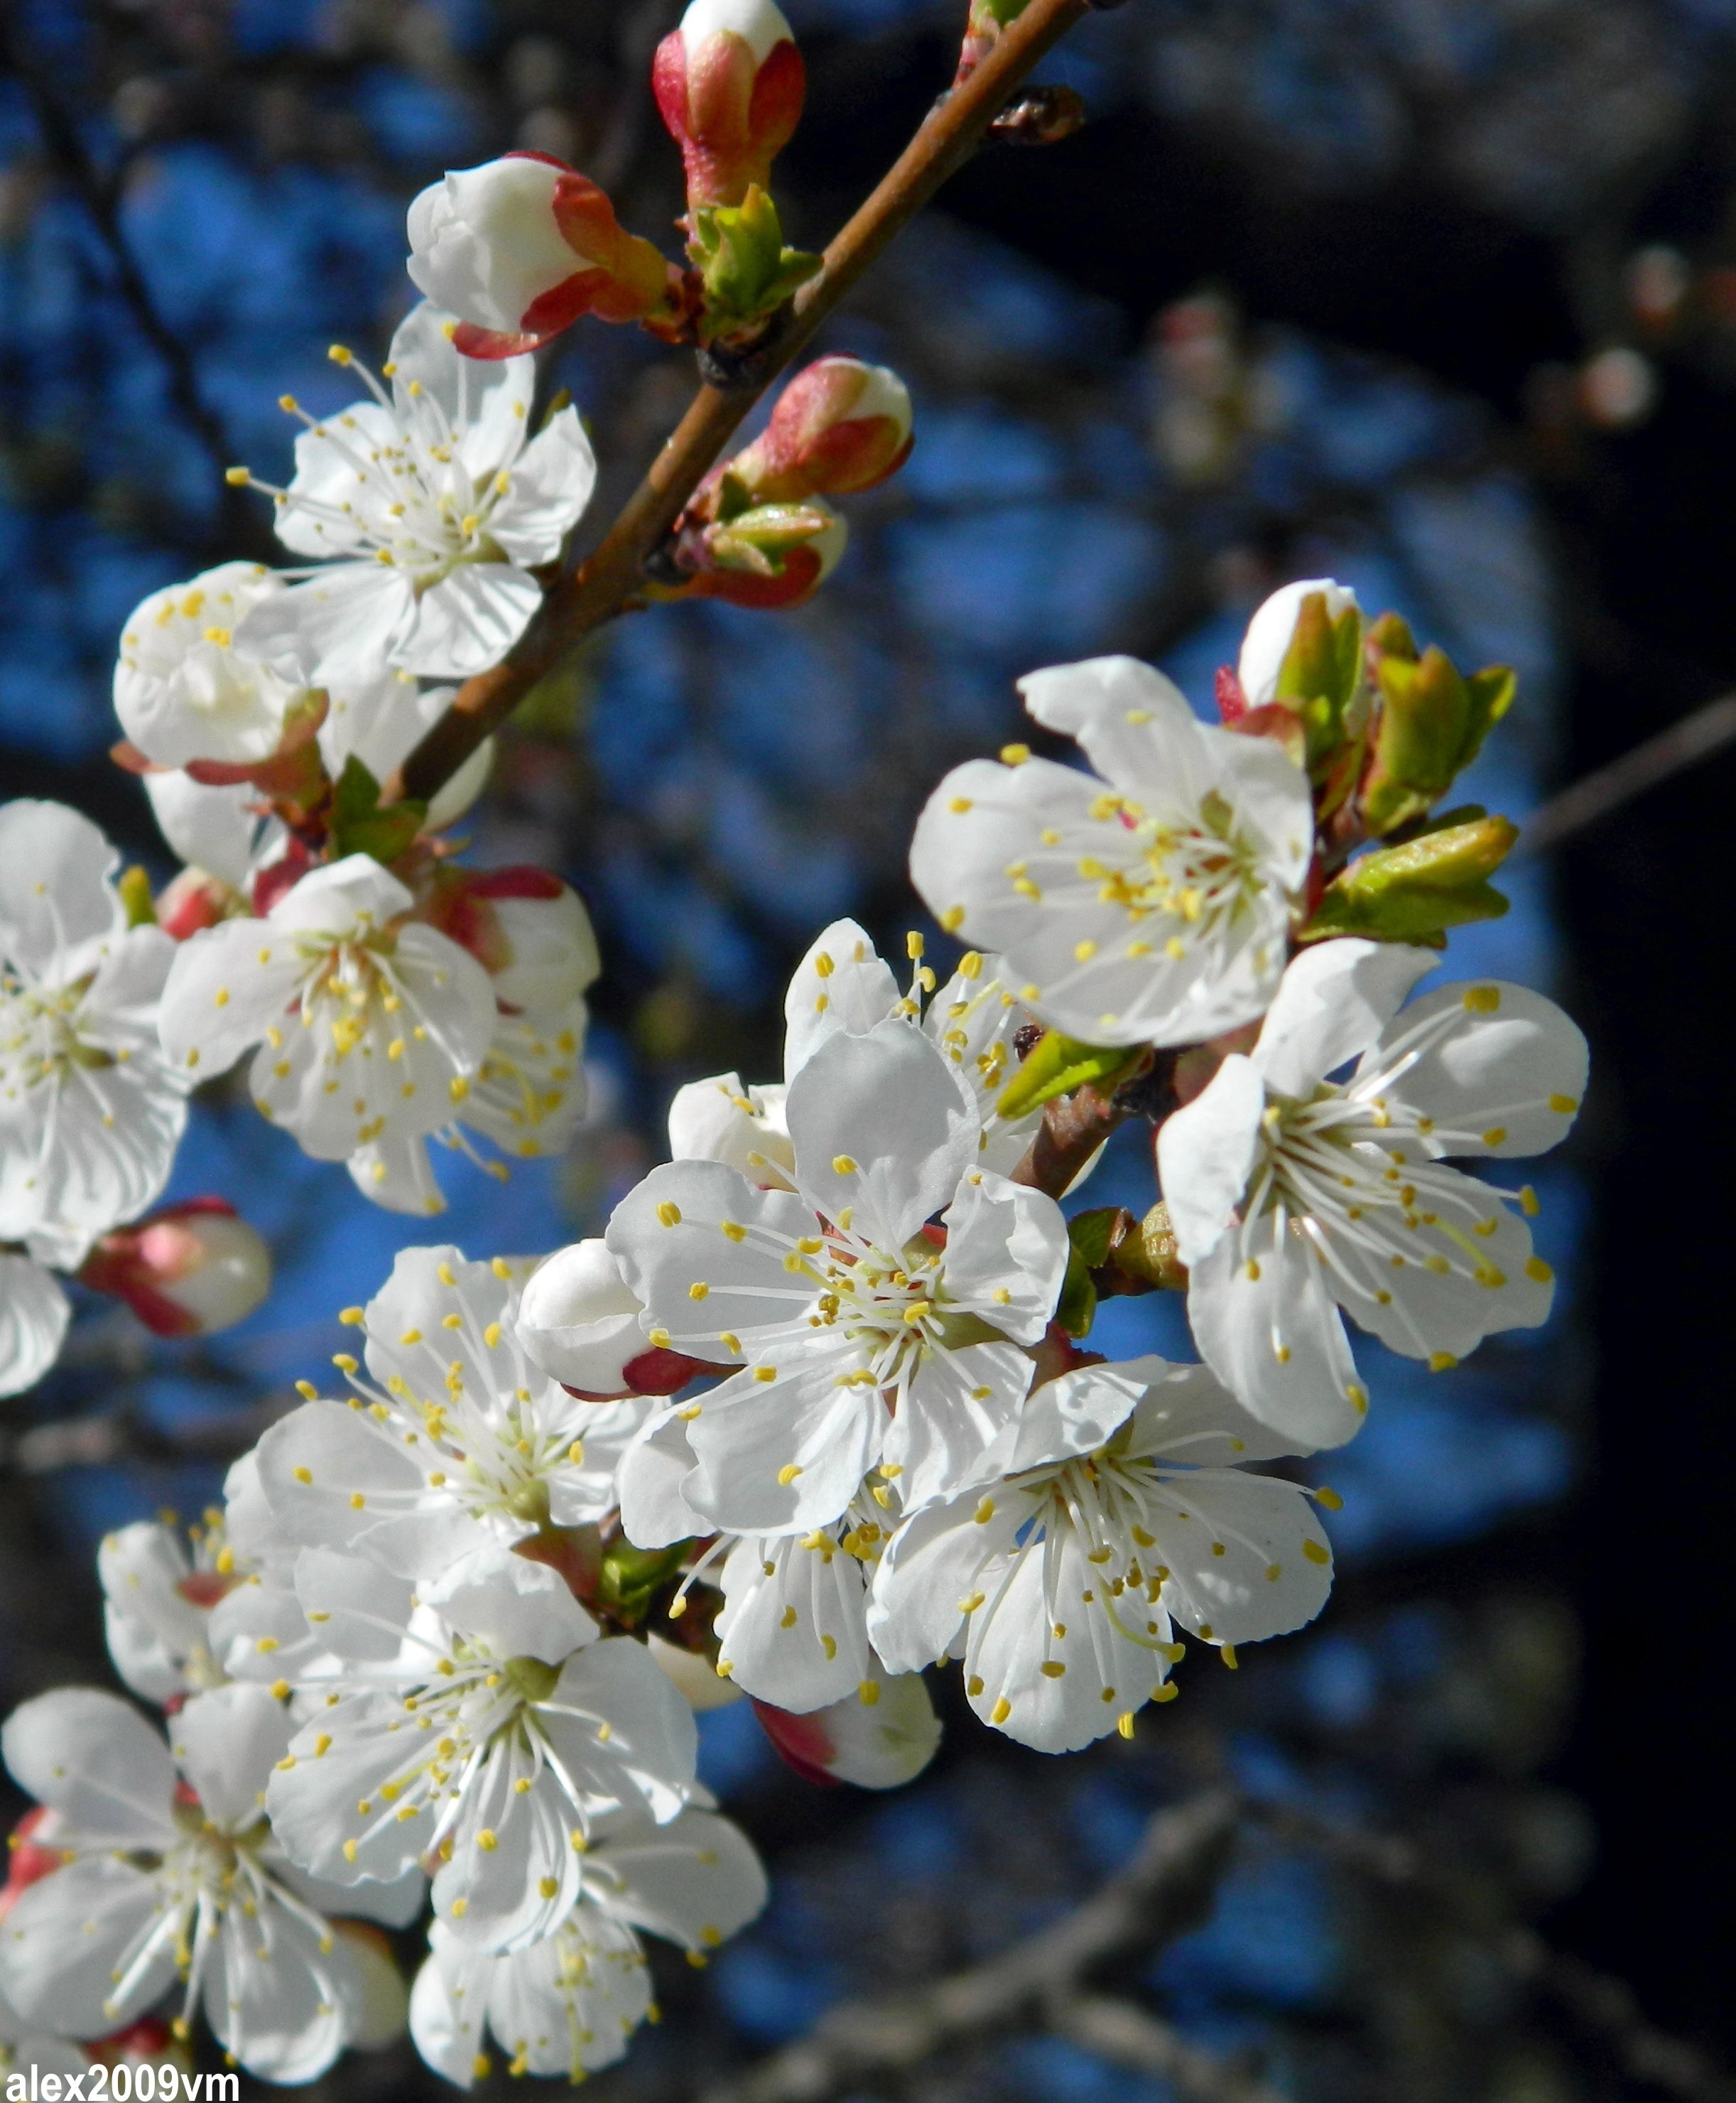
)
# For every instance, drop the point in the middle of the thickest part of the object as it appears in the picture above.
(1015, 755)
(668, 1215)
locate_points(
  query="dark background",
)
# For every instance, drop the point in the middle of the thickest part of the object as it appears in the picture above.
(1439, 298)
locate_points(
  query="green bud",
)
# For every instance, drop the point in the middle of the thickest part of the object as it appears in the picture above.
(631, 1576)
(1059, 1065)
(1320, 679)
(1413, 893)
(747, 272)
(1432, 725)
(1076, 1309)
(135, 889)
(757, 540)
(358, 824)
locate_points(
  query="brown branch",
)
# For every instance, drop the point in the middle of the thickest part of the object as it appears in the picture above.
(1131, 2036)
(602, 586)
(1697, 737)
(1165, 1889)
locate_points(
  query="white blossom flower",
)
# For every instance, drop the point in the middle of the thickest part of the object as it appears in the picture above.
(1151, 906)
(163, 1879)
(182, 1616)
(531, 933)
(185, 690)
(34, 1315)
(90, 1113)
(373, 1025)
(486, 1730)
(430, 509)
(863, 1337)
(569, 2003)
(1293, 1196)
(464, 1447)
(1126, 1512)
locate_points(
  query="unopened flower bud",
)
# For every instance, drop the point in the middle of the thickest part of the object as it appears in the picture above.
(839, 427)
(879, 1737)
(772, 555)
(1415, 892)
(519, 248)
(189, 1270)
(730, 83)
(1273, 632)
(1431, 726)
(983, 27)
(579, 1320)
(526, 928)
(196, 900)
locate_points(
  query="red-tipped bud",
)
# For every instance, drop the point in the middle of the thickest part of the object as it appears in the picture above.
(526, 928)
(29, 1861)
(519, 248)
(774, 555)
(839, 427)
(195, 901)
(879, 1737)
(579, 1320)
(730, 84)
(189, 1270)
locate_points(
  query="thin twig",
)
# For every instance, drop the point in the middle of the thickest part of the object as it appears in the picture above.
(1166, 1890)
(1132, 2037)
(1695, 737)
(604, 584)
(1605, 2007)
(67, 149)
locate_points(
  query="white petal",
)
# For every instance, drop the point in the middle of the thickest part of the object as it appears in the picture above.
(448, 2009)
(1079, 1410)
(782, 1456)
(216, 830)
(466, 623)
(34, 1314)
(934, 1565)
(718, 1119)
(882, 1736)
(530, 1093)
(1335, 999)
(1246, 1556)
(1185, 1413)
(1438, 1303)
(513, 1871)
(271, 1996)
(852, 989)
(518, 1609)
(646, 1761)
(58, 909)
(654, 1511)
(1006, 1254)
(1272, 630)
(1205, 1152)
(551, 485)
(578, 1319)
(956, 1424)
(669, 1234)
(888, 1107)
(362, 1610)
(220, 1000)
(1275, 1339)
(783, 1599)
(152, 1627)
(1505, 1081)
(93, 1758)
(396, 1175)
(339, 624)
(66, 1936)
(227, 1742)
(694, 1882)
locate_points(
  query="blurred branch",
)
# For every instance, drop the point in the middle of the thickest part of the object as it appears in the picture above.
(1133, 2038)
(602, 586)
(121, 1435)
(1603, 2006)
(1697, 737)
(67, 149)
(1165, 1889)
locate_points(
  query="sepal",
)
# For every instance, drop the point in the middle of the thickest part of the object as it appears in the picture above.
(1415, 892)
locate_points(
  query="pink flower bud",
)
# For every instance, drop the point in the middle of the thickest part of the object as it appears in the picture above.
(189, 1270)
(730, 84)
(879, 1737)
(29, 1859)
(194, 900)
(578, 1320)
(719, 557)
(839, 427)
(519, 248)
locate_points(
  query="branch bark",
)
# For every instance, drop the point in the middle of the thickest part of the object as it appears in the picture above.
(1130, 2036)
(604, 583)
(1165, 1889)
(1697, 737)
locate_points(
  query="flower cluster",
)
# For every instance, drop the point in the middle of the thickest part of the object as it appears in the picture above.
(816, 1413)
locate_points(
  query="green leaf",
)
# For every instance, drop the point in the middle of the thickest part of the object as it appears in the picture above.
(1413, 893)
(1077, 1308)
(1090, 1233)
(358, 824)
(1059, 1065)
